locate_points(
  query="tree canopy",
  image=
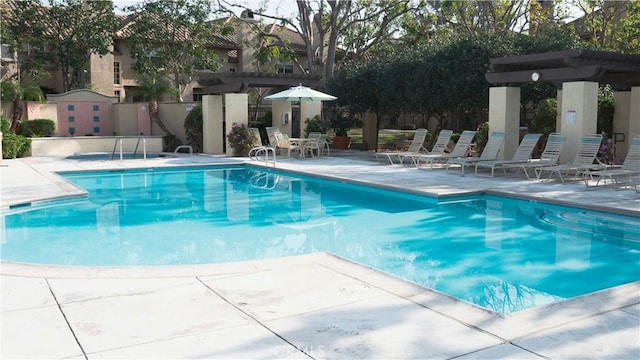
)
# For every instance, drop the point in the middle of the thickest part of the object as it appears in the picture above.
(63, 33)
(175, 38)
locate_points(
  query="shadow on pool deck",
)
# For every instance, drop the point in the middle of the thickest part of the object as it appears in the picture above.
(312, 306)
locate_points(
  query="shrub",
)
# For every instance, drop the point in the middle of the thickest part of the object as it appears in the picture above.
(170, 143)
(37, 128)
(241, 139)
(14, 146)
(316, 124)
(5, 125)
(193, 128)
(482, 136)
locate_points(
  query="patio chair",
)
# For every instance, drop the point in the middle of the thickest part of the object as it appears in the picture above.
(261, 152)
(271, 131)
(583, 161)
(316, 145)
(313, 135)
(549, 156)
(460, 150)
(283, 143)
(416, 147)
(522, 155)
(622, 175)
(256, 134)
(490, 152)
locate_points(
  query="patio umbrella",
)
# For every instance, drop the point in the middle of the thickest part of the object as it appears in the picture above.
(300, 93)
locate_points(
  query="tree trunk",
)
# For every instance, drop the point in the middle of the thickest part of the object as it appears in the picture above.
(16, 114)
(154, 116)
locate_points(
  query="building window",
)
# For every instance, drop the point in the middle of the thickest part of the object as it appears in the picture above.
(72, 119)
(96, 129)
(284, 68)
(197, 94)
(96, 118)
(72, 131)
(5, 52)
(96, 107)
(116, 73)
(117, 93)
(232, 56)
(71, 107)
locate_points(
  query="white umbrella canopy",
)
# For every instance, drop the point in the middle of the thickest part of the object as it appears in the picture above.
(300, 93)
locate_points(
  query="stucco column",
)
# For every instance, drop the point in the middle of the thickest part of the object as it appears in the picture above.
(504, 116)
(308, 109)
(559, 112)
(621, 121)
(281, 116)
(236, 110)
(634, 117)
(212, 120)
(579, 115)
(370, 130)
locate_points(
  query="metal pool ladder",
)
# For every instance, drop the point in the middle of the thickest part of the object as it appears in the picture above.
(118, 144)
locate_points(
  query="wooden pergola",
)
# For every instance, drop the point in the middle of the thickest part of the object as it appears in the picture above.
(620, 71)
(213, 83)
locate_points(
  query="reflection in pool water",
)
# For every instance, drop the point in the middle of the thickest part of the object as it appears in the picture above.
(503, 254)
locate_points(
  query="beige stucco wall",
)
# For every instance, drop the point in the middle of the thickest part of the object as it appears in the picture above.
(236, 110)
(212, 124)
(504, 116)
(308, 109)
(579, 114)
(87, 144)
(279, 109)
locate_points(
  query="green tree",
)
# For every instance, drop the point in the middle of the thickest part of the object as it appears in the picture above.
(609, 25)
(64, 34)
(154, 86)
(357, 28)
(474, 16)
(175, 38)
(17, 93)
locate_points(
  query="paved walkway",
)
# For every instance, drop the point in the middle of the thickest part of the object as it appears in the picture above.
(313, 306)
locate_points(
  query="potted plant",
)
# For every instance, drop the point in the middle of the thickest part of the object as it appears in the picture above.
(341, 125)
(241, 139)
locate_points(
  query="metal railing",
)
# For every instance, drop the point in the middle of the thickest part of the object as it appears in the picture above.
(118, 145)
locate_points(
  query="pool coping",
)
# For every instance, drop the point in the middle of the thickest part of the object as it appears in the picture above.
(506, 326)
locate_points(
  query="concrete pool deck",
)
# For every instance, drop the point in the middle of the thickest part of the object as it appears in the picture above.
(311, 306)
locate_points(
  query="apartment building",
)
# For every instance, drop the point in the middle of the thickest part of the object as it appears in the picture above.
(112, 74)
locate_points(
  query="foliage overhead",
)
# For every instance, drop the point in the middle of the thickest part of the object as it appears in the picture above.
(609, 25)
(64, 34)
(174, 38)
(335, 31)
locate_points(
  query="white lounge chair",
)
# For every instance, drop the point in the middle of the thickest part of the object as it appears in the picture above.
(522, 155)
(583, 160)
(440, 147)
(549, 156)
(460, 150)
(490, 152)
(416, 147)
(619, 176)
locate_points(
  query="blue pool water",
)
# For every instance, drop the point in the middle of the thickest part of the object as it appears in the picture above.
(500, 253)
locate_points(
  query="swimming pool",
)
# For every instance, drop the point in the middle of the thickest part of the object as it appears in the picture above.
(502, 254)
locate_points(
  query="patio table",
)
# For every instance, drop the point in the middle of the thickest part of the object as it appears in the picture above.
(300, 142)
